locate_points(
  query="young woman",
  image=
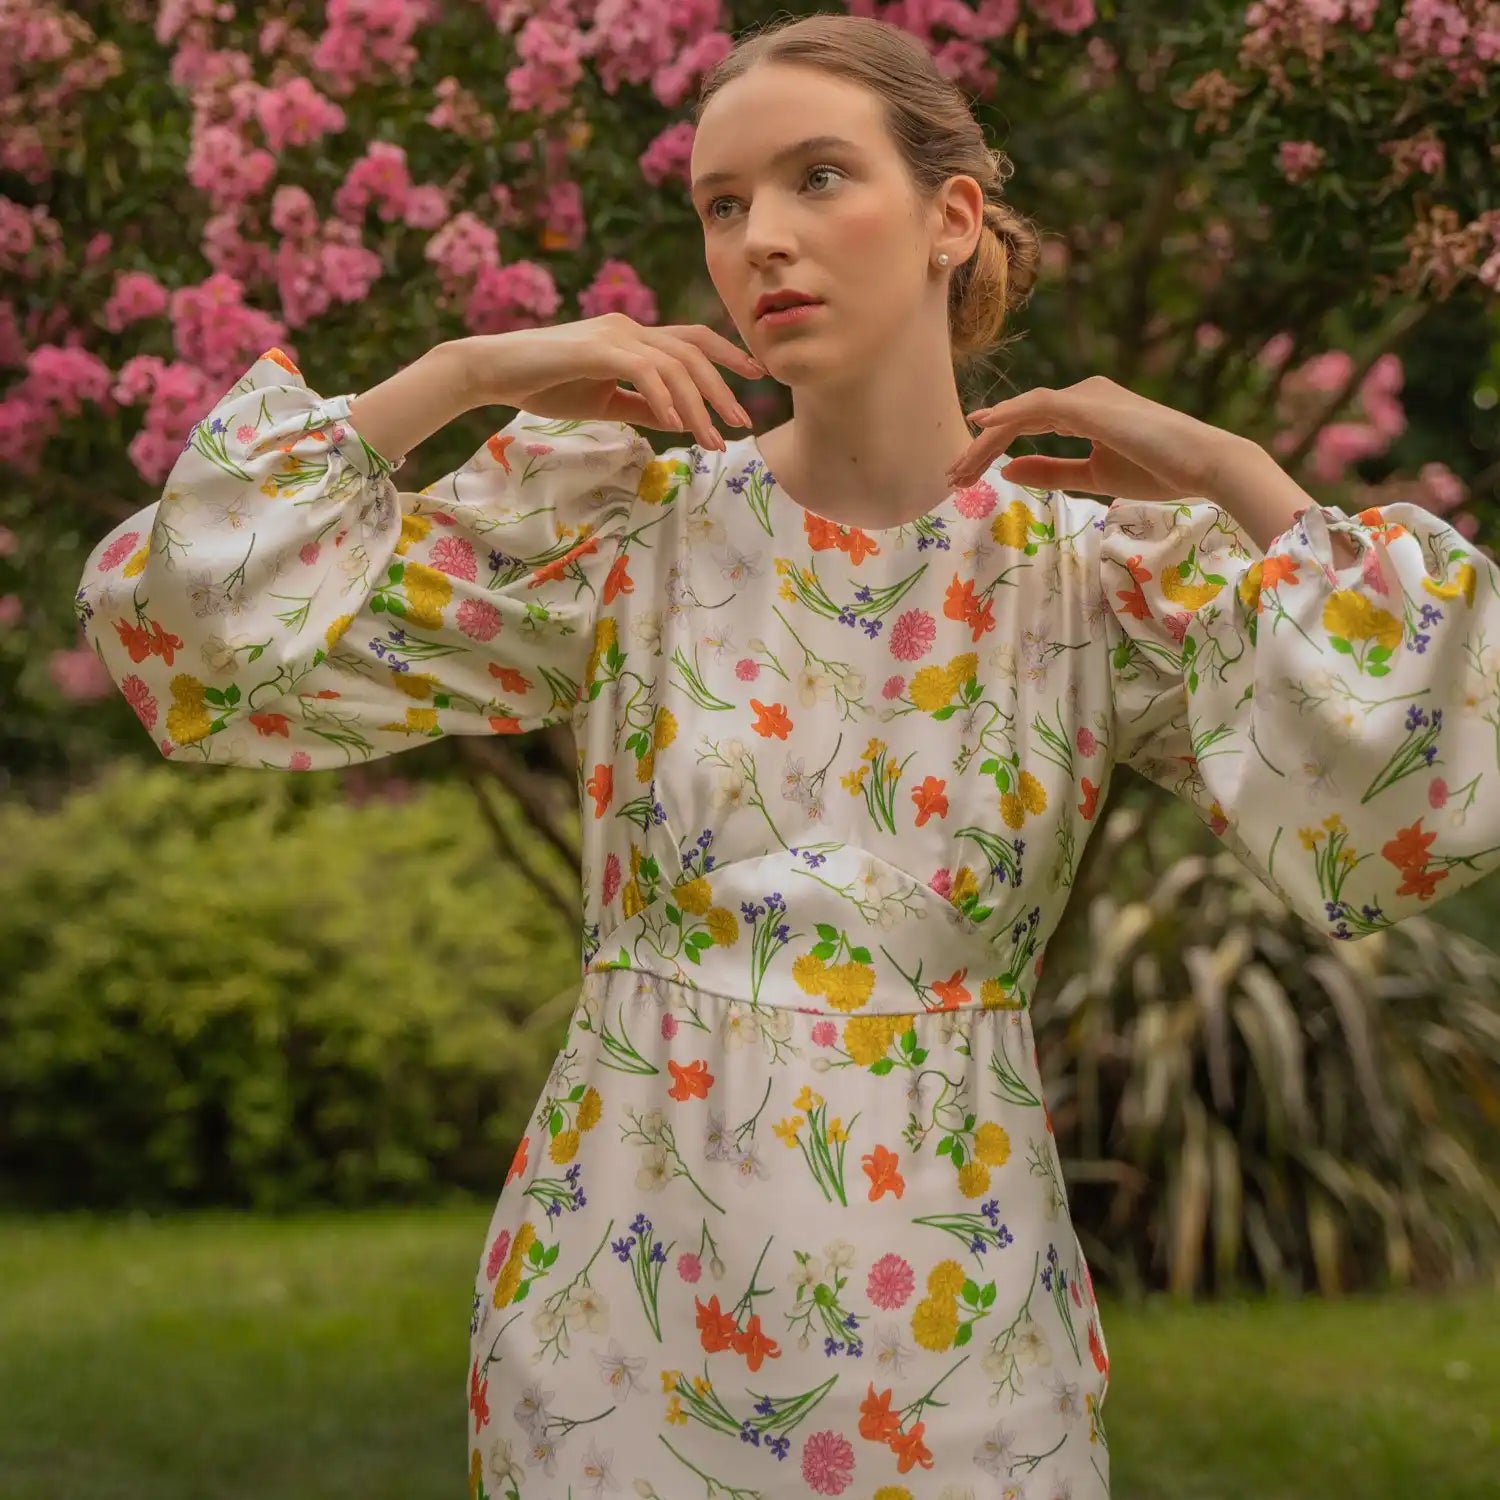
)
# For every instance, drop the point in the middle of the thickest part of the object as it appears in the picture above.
(790, 1218)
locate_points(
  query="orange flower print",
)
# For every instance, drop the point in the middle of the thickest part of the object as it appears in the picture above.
(618, 581)
(755, 1345)
(1096, 1349)
(859, 545)
(1421, 883)
(1408, 850)
(693, 1081)
(550, 572)
(1133, 600)
(881, 1166)
(960, 604)
(510, 679)
(1375, 519)
(770, 720)
(877, 1421)
(951, 991)
(497, 446)
(268, 724)
(501, 724)
(822, 535)
(1090, 801)
(601, 787)
(931, 799)
(478, 1396)
(910, 1450)
(716, 1330)
(278, 357)
(518, 1161)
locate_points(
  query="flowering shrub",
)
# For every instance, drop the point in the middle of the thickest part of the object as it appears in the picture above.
(1235, 203)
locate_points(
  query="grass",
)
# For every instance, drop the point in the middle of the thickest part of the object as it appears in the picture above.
(223, 1358)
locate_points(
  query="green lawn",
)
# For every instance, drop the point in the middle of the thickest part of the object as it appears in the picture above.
(218, 1357)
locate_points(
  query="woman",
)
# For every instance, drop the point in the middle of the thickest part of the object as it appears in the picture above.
(790, 1217)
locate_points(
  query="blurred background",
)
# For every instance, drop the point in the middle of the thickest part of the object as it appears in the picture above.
(267, 1042)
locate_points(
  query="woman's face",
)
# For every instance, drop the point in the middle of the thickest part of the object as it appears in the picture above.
(837, 220)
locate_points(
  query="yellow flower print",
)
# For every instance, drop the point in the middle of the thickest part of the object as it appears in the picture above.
(188, 719)
(606, 633)
(783, 567)
(1250, 585)
(992, 1144)
(1012, 810)
(665, 730)
(655, 482)
(1334, 823)
(1352, 617)
(675, 1412)
(417, 721)
(786, 1130)
(807, 1099)
(810, 973)
(564, 1147)
(702, 1385)
(1309, 837)
(631, 899)
(993, 995)
(591, 1107)
(946, 1279)
(695, 896)
(1033, 793)
(427, 594)
(722, 926)
(476, 1474)
(1463, 584)
(873, 749)
(414, 684)
(837, 1131)
(853, 782)
(931, 688)
(509, 1279)
(645, 767)
(413, 529)
(335, 631)
(1191, 596)
(934, 1322)
(961, 669)
(965, 884)
(869, 1038)
(137, 561)
(1012, 527)
(892, 1492)
(849, 985)
(787, 592)
(973, 1179)
(669, 1379)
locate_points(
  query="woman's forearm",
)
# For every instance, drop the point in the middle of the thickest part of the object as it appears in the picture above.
(396, 415)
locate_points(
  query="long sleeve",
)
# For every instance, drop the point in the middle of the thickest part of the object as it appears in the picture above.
(283, 605)
(1339, 729)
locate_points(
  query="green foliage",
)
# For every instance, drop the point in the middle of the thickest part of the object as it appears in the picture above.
(235, 988)
(1241, 1101)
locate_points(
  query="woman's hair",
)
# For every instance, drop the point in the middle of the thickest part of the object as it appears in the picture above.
(938, 137)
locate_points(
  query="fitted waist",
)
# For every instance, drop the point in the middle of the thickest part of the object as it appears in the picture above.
(833, 930)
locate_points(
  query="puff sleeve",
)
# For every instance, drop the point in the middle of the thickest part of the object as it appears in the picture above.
(1338, 728)
(284, 606)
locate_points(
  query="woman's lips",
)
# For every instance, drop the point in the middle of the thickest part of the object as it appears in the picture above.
(779, 317)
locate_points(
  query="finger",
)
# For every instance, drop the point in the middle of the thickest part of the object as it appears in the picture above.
(705, 373)
(716, 346)
(625, 405)
(686, 396)
(641, 371)
(1039, 472)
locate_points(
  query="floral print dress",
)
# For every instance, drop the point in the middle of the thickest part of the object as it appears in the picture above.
(790, 1217)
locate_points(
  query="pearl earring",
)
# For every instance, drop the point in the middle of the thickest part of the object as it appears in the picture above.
(942, 260)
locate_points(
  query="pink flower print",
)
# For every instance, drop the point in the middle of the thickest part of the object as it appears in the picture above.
(118, 551)
(894, 687)
(309, 554)
(138, 696)
(454, 556)
(611, 884)
(1437, 793)
(1177, 624)
(827, 1463)
(975, 500)
(689, 1267)
(668, 1027)
(300, 761)
(479, 619)
(498, 1251)
(537, 450)
(245, 434)
(890, 1283)
(942, 883)
(1085, 740)
(825, 1034)
(913, 635)
(747, 669)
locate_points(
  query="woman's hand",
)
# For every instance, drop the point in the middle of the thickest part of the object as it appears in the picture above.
(573, 370)
(1140, 449)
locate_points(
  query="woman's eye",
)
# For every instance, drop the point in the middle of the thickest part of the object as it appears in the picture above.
(811, 172)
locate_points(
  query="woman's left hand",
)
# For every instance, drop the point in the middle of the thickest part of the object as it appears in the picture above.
(1140, 449)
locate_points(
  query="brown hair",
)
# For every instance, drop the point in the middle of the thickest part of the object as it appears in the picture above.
(938, 137)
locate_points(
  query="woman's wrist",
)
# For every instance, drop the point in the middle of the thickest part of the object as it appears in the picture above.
(403, 411)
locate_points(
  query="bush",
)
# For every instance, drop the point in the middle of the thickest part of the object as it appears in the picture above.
(239, 989)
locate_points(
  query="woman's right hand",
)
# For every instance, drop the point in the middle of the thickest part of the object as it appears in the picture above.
(574, 370)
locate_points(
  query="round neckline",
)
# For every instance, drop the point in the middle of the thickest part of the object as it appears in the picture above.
(930, 518)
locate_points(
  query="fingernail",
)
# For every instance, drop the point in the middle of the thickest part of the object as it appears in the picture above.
(742, 416)
(672, 416)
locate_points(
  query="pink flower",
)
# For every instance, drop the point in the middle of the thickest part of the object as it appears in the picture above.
(890, 1283)
(827, 1463)
(689, 1267)
(118, 550)
(479, 619)
(894, 687)
(825, 1034)
(1085, 740)
(1437, 793)
(11, 611)
(611, 884)
(300, 761)
(942, 883)
(975, 500)
(668, 1027)
(913, 635)
(308, 556)
(498, 1251)
(747, 669)
(454, 555)
(139, 697)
